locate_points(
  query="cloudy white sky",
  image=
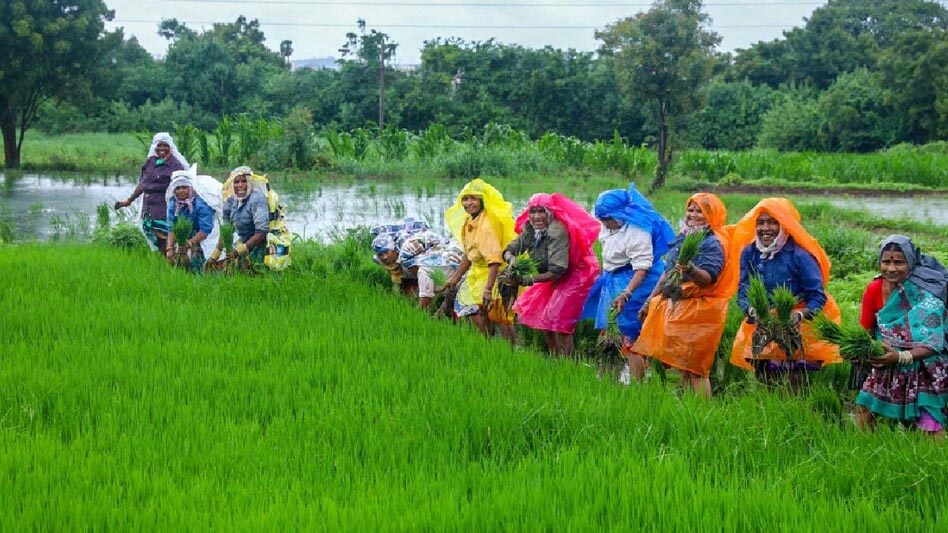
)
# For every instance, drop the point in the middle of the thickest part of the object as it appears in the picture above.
(318, 28)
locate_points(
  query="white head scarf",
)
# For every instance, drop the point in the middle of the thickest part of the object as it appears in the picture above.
(165, 137)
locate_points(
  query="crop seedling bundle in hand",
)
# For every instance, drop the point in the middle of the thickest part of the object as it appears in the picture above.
(774, 324)
(690, 246)
(523, 266)
(182, 228)
(856, 345)
(609, 343)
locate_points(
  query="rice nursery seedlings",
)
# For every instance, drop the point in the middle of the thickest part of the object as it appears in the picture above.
(690, 246)
(855, 343)
(133, 395)
(774, 324)
(523, 266)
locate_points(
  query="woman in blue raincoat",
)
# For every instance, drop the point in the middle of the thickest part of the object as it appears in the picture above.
(634, 238)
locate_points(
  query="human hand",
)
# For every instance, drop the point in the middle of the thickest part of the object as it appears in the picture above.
(241, 249)
(509, 280)
(643, 311)
(891, 357)
(510, 258)
(122, 203)
(526, 281)
(487, 298)
(169, 254)
(751, 315)
(796, 317)
(620, 301)
(685, 269)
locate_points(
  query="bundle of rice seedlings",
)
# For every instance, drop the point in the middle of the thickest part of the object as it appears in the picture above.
(439, 278)
(609, 343)
(523, 266)
(182, 228)
(856, 345)
(784, 332)
(671, 284)
(227, 235)
(774, 324)
(182, 232)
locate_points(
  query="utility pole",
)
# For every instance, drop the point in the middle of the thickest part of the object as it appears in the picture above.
(382, 84)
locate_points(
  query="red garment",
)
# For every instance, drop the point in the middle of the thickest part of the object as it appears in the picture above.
(871, 304)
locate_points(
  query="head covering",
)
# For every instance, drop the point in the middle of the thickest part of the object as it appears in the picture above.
(165, 137)
(784, 212)
(383, 243)
(242, 171)
(716, 215)
(499, 211)
(582, 227)
(631, 207)
(924, 270)
(182, 180)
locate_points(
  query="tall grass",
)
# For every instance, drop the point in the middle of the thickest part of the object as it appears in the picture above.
(358, 412)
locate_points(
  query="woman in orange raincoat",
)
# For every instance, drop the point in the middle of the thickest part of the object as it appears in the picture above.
(775, 246)
(685, 334)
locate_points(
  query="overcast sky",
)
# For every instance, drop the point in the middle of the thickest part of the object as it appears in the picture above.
(318, 28)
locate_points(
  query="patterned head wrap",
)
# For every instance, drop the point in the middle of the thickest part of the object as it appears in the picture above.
(383, 243)
(182, 181)
(925, 271)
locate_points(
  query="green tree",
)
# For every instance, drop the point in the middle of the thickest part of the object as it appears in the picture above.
(915, 72)
(731, 116)
(370, 50)
(853, 114)
(792, 124)
(663, 57)
(51, 50)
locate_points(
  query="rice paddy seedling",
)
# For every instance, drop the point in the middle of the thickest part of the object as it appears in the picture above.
(855, 343)
(385, 421)
(438, 277)
(227, 235)
(774, 323)
(671, 284)
(522, 267)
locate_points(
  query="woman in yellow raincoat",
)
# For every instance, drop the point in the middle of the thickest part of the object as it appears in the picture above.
(774, 245)
(685, 334)
(482, 221)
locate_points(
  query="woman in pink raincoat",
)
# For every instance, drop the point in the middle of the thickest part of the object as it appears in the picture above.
(558, 234)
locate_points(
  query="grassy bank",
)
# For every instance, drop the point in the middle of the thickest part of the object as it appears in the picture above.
(511, 155)
(136, 397)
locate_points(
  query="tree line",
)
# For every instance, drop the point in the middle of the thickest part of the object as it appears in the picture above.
(858, 76)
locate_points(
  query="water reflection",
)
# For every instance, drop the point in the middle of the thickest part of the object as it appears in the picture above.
(49, 206)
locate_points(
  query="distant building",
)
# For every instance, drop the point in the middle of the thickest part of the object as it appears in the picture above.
(317, 63)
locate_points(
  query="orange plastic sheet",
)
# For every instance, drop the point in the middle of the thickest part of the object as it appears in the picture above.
(745, 233)
(685, 334)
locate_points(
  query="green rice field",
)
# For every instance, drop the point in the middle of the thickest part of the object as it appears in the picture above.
(136, 397)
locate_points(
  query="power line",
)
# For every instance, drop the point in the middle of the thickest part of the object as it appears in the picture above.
(429, 26)
(480, 4)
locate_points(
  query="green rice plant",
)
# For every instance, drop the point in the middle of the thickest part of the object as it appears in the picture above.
(511, 277)
(671, 283)
(759, 300)
(182, 229)
(784, 332)
(438, 277)
(227, 235)
(855, 343)
(127, 236)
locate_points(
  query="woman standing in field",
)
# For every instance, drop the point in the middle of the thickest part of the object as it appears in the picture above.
(774, 245)
(483, 223)
(415, 256)
(685, 333)
(183, 201)
(634, 238)
(163, 159)
(905, 308)
(248, 211)
(558, 234)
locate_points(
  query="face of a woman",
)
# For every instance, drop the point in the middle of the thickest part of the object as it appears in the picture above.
(767, 229)
(388, 257)
(893, 266)
(693, 216)
(241, 184)
(472, 204)
(162, 150)
(539, 218)
(611, 224)
(181, 192)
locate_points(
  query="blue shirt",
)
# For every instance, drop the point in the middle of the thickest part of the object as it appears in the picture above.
(793, 266)
(202, 217)
(710, 257)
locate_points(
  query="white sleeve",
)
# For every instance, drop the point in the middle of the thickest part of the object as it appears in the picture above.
(638, 248)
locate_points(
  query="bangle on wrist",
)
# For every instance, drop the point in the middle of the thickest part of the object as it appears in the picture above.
(905, 357)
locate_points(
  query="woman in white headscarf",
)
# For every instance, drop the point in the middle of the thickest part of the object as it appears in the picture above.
(183, 201)
(163, 160)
